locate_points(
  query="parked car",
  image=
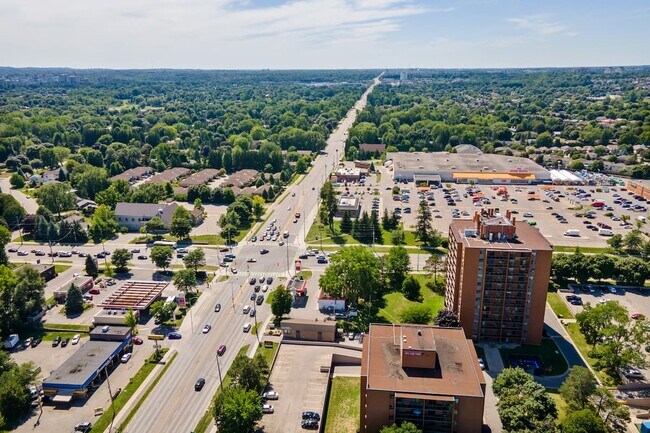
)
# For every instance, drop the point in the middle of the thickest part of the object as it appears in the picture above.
(247, 327)
(309, 424)
(174, 336)
(310, 415)
(56, 341)
(83, 427)
(125, 358)
(267, 408)
(36, 342)
(65, 342)
(137, 340)
(75, 339)
(271, 395)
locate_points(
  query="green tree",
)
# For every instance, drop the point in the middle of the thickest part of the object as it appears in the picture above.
(120, 259)
(633, 240)
(346, 223)
(578, 387)
(89, 180)
(17, 181)
(329, 205)
(237, 410)
(249, 373)
(411, 289)
(91, 266)
(524, 405)
(423, 227)
(161, 256)
(162, 310)
(416, 314)
(405, 427)
(74, 303)
(103, 225)
(155, 225)
(631, 271)
(281, 301)
(258, 207)
(353, 273)
(28, 294)
(446, 319)
(181, 224)
(397, 237)
(185, 280)
(5, 238)
(131, 321)
(195, 259)
(56, 197)
(434, 264)
(583, 421)
(609, 409)
(397, 266)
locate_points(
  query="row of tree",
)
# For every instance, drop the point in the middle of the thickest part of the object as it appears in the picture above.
(630, 271)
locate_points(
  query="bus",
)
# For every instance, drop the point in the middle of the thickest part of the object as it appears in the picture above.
(165, 244)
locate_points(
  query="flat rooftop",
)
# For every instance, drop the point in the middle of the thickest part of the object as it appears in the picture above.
(79, 369)
(528, 238)
(115, 330)
(431, 162)
(349, 201)
(138, 295)
(457, 372)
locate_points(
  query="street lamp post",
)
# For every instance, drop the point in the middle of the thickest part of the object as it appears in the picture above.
(219, 370)
(257, 335)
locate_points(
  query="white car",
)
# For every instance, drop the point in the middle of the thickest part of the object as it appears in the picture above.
(75, 339)
(271, 395)
(125, 357)
(247, 327)
(265, 288)
(481, 363)
(528, 215)
(252, 260)
(267, 408)
(207, 328)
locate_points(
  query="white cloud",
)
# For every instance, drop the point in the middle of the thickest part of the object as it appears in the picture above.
(540, 24)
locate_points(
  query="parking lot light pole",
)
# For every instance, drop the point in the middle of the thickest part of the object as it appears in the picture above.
(257, 335)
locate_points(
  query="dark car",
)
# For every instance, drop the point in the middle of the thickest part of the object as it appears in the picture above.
(65, 342)
(174, 336)
(137, 340)
(83, 427)
(56, 341)
(262, 279)
(269, 280)
(36, 342)
(309, 423)
(264, 251)
(253, 296)
(198, 386)
(259, 300)
(217, 308)
(257, 288)
(221, 350)
(310, 415)
(252, 281)
(303, 256)
(142, 257)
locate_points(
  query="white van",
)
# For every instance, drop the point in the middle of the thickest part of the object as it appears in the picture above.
(247, 309)
(605, 232)
(575, 233)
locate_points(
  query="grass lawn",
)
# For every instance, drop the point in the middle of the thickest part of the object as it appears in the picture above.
(343, 406)
(396, 301)
(66, 327)
(339, 238)
(568, 249)
(581, 344)
(104, 421)
(223, 278)
(305, 274)
(558, 305)
(58, 268)
(548, 351)
(268, 352)
(561, 405)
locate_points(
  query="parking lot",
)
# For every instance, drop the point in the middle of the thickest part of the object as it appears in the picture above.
(538, 211)
(296, 376)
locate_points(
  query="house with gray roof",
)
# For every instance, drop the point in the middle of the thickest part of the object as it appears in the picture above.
(135, 215)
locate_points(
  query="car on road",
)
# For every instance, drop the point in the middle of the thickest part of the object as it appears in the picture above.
(142, 257)
(75, 339)
(271, 395)
(252, 281)
(23, 253)
(83, 427)
(174, 336)
(137, 340)
(135, 250)
(233, 270)
(303, 256)
(217, 308)
(221, 350)
(200, 383)
(267, 408)
(247, 327)
(246, 309)
(310, 415)
(252, 260)
(126, 357)
(254, 239)
(207, 328)
(252, 313)
(39, 253)
(13, 250)
(309, 424)
(264, 251)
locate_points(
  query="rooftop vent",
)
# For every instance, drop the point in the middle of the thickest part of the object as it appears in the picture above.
(420, 332)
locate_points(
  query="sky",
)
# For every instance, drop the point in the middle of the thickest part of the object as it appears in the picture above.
(323, 34)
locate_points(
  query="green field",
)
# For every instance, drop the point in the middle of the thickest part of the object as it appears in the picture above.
(395, 302)
(561, 405)
(548, 351)
(556, 302)
(343, 406)
(581, 344)
(338, 238)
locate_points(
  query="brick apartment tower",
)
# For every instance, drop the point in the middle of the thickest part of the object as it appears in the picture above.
(498, 272)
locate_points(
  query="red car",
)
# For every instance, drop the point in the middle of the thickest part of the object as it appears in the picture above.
(637, 316)
(137, 340)
(221, 350)
(94, 291)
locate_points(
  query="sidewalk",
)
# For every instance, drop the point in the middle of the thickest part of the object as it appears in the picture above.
(122, 414)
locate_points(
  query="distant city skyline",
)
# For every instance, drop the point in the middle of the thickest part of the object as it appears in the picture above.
(328, 34)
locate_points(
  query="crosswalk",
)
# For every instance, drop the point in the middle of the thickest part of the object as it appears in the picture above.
(261, 274)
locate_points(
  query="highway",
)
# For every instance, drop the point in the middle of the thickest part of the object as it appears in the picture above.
(174, 406)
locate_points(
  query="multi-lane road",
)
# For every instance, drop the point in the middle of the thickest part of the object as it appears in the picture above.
(174, 406)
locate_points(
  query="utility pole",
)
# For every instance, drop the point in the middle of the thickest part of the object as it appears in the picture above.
(219, 370)
(257, 335)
